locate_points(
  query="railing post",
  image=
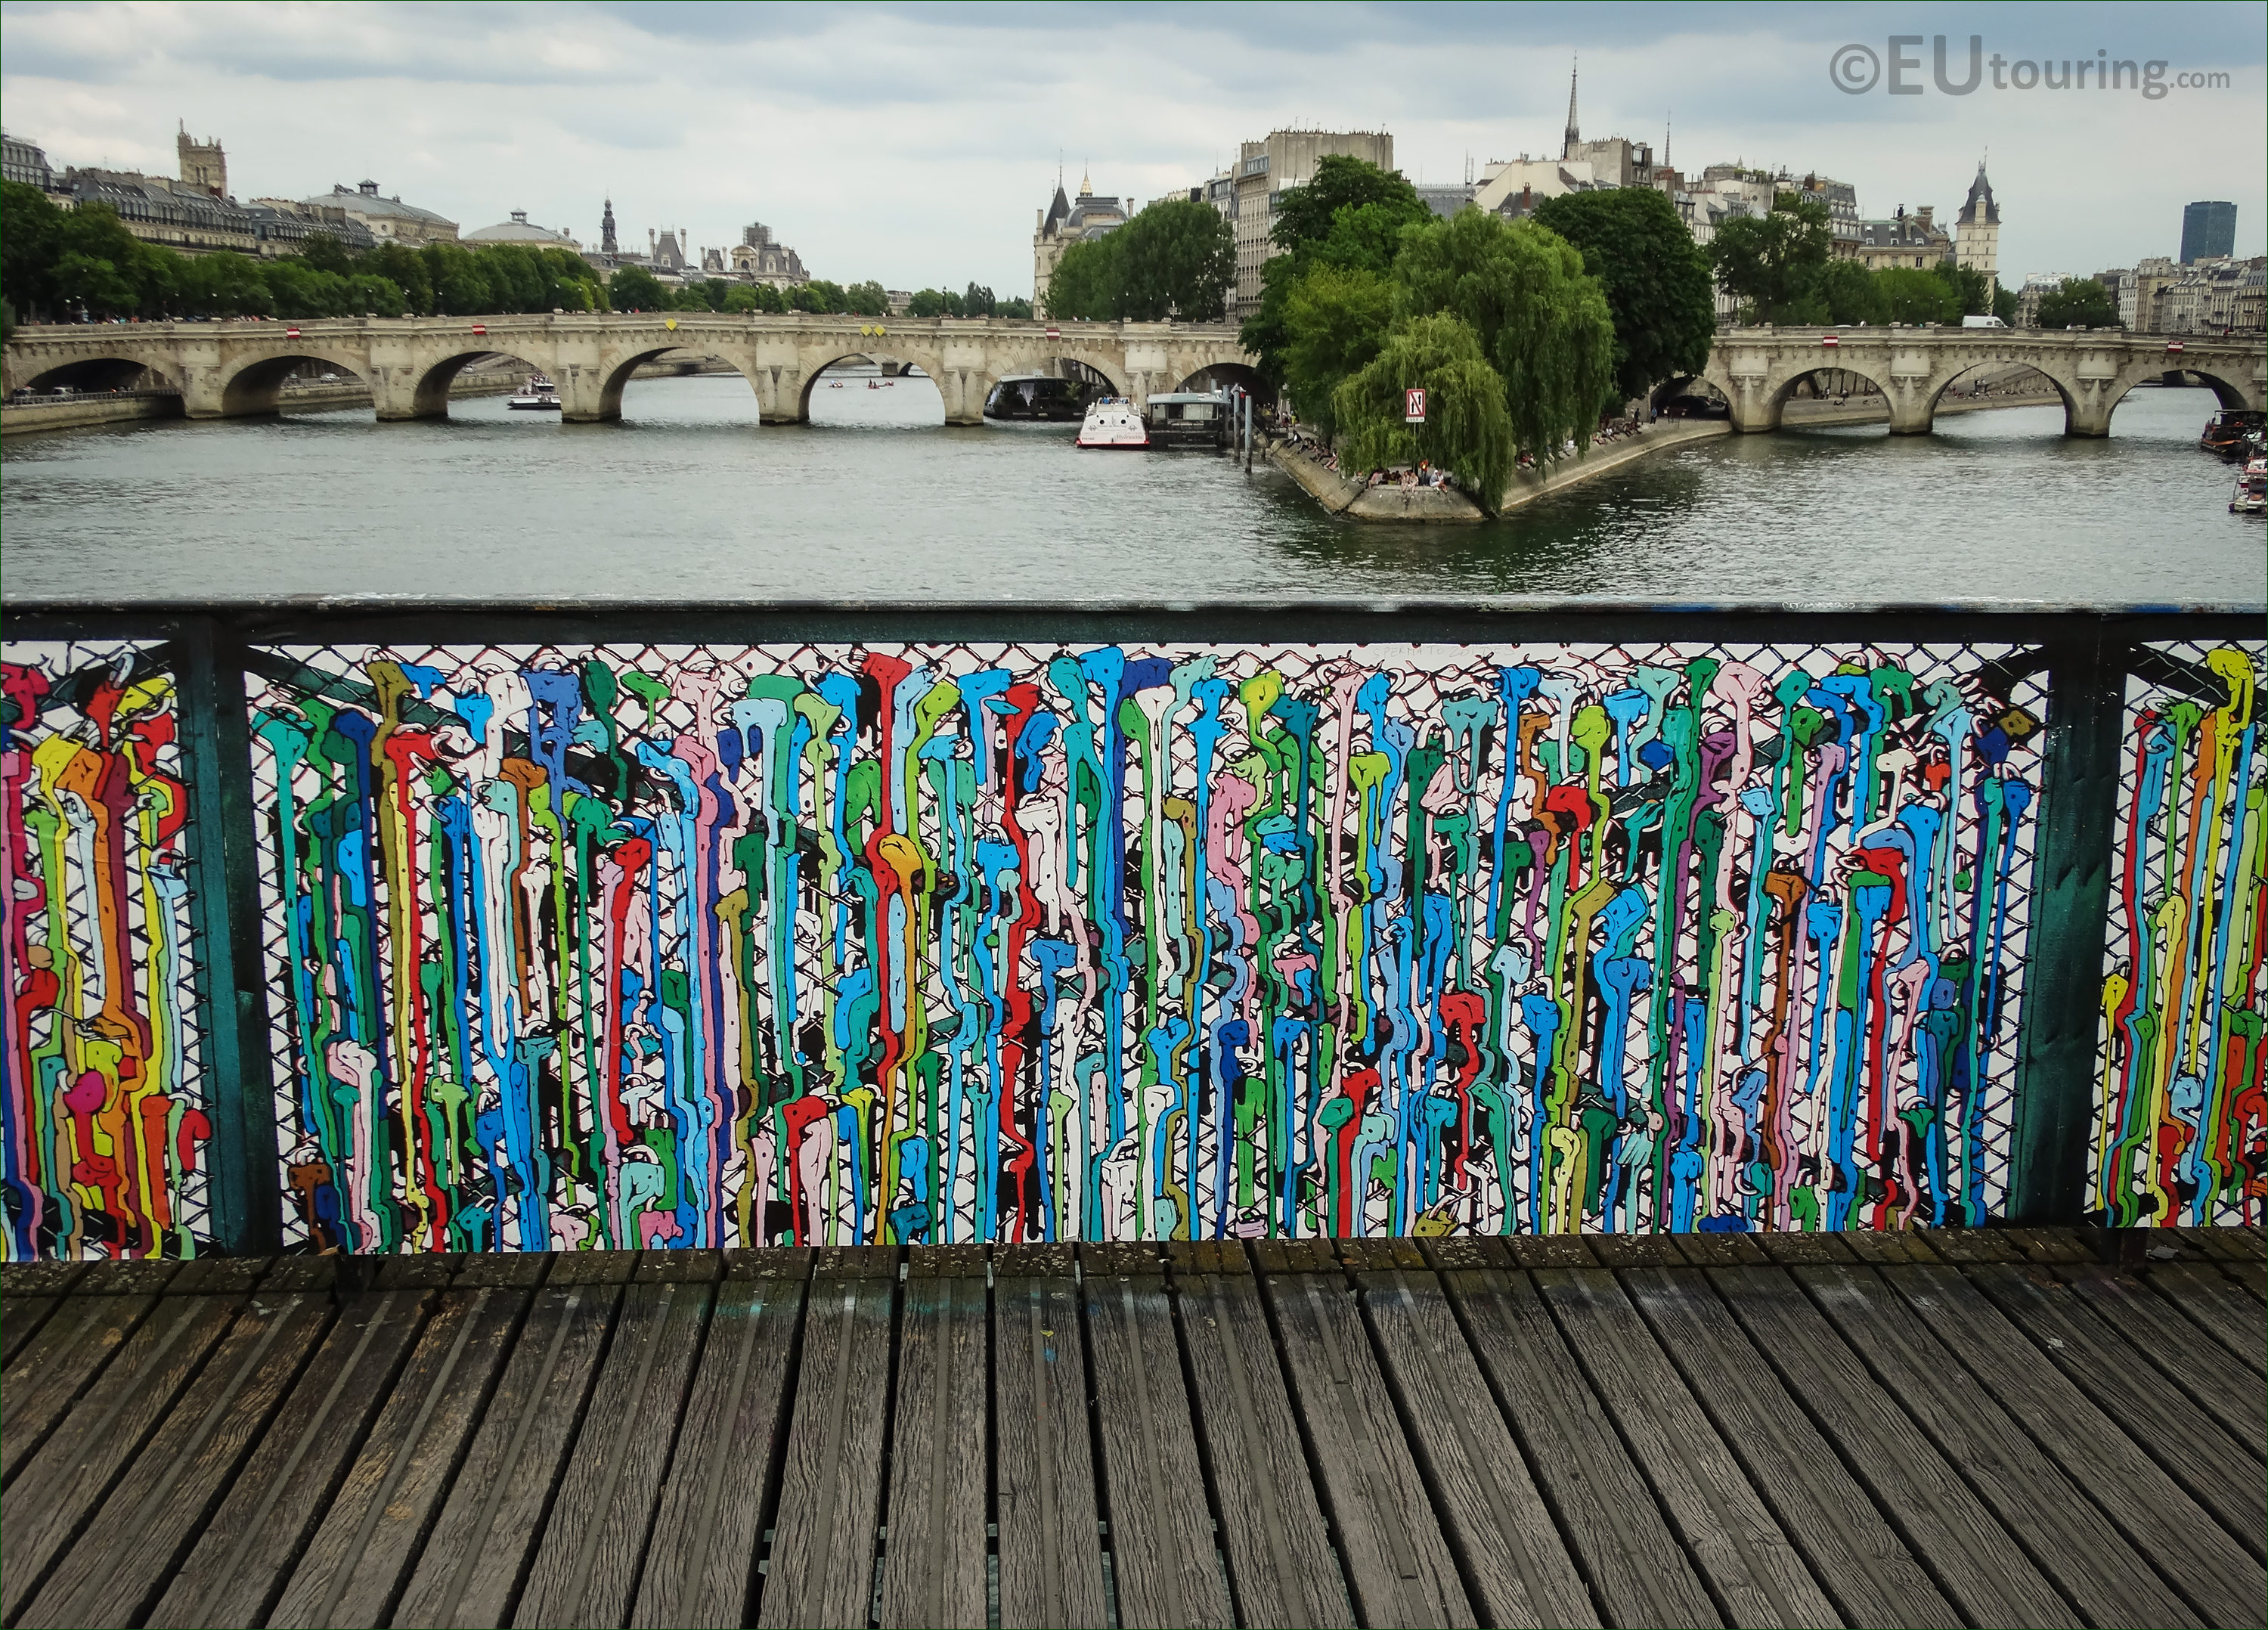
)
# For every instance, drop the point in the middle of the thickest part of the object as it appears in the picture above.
(245, 1194)
(2058, 1029)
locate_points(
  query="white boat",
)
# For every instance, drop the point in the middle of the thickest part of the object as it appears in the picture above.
(2251, 494)
(539, 395)
(1113, 422)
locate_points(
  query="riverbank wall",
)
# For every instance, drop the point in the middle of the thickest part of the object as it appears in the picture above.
(19, 419)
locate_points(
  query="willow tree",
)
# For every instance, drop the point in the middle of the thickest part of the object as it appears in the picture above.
(1467, 430)
(1541, 319)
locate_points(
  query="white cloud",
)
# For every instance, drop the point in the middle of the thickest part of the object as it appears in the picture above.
(914, 144)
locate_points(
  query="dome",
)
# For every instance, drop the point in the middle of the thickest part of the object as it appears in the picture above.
(519, 229)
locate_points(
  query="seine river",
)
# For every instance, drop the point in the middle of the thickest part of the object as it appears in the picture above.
(690, 498)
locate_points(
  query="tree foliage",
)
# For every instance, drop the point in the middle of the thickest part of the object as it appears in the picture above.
(1541, 319)
(1085, 285)
(633, 288)
(1770, 263)
(1351, 215)
(1656, 278)
(1337, 318)
(1467, 430)
(2079, 301)
(1911, 294)
(1176, 259)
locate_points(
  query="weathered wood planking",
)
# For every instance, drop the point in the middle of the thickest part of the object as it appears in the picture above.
(361, 1557)
(1518, 1569)
(821, 1568)
(1050, 1540)
(1282, 1568)
(1856, 1556)
(701, 1567)
(2057, 1524)
(2213, 1378)
(120, 1564)
(1637, 1572)
(2212, 1466)
(1167, 1568)
(1399, 1568)
(1754, 1569)
(470, 1571)
(936, 1554)
(242, 1558)
(56, 1365)
(2200, 1561)
(587, 1570)
(2216, 1305)
(62, 1485)
(20, 1318)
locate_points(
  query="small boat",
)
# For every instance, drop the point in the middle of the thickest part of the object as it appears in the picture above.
(537, 395)
(2251, 494)
(2224, 432)
(1113, 422)
(1188, 419)
(1036, 396)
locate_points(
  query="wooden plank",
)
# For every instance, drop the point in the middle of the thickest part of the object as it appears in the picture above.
(2202, 1563)
(470, 1570)
(1167, 1568)
(20, 1318)
(587, 1571)
(1751, 1567)
(2207, 1373)
(1515, 1564)
(246, 1552)
(56, 1365)
(143, 1276)
(361, 1555)
(821, 1569)
(701, 1560)
(2073, 1541)
(1399, 1568)
(62, 1485)
(2187, 1443)
(1974, 1560)
(936, 1554)
(1047, 1510)
(2217, 1306)
(1855, 1555)
(39, 1279)
(1637, 1570)
(123, 1562)
(1282, 1569)
(2229, 1250)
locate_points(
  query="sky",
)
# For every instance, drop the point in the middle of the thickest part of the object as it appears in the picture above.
(915, 144)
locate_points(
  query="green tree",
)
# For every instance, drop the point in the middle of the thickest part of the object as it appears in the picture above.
(2079, 302)
(633, 288)
(1308, 215)
(1376, 204)
(1176, 258)
(1337, 318)
(325, 253)
(1972, 295)
(1467, 429)
(1541, 319)
(378, 296)
(976, 300)
(461, 284)
(1014, 305)
(821, 295)
(926, 303)
(88, 283)
(227, 285)
(31, 228)
(1087, 284)
(869, 298)
(1844, 292)
(1655, 277)
(2005, 306)
(404, 268)
(745, 298)
(1911, 295)
(1770, 263)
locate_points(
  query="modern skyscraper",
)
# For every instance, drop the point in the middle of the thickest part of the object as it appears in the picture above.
(2208, 228)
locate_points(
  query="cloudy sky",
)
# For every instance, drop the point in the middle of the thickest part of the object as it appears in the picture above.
(914, 144)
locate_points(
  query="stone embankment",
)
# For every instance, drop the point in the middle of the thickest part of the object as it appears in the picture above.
(18, 418)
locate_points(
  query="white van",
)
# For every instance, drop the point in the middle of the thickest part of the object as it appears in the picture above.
(1982, 322)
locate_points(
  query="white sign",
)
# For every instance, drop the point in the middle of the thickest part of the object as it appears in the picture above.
(1413, 405)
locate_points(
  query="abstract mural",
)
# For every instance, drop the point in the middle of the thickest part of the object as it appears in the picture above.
(2181, 1135)
(636, 946)
(102, 1119)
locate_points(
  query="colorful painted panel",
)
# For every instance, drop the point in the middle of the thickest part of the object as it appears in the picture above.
(637, 946)
(102, 1119)
(2181, 1135)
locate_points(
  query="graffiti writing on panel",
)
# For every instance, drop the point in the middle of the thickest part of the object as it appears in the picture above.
(102, 1121)
(2181, 1133)
(629, 946)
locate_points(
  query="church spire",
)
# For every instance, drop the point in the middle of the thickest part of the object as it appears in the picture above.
(1574, 134)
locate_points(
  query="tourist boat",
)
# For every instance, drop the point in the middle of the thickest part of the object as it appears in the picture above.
(1113, 422)
(2251, 494)
(1036, 396)
(538, 395)
(1188, 419)
(2226, 431)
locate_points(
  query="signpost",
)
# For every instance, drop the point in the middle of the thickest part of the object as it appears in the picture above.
(1413, 405)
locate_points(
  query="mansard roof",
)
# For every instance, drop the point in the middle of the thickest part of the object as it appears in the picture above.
(1980, 191)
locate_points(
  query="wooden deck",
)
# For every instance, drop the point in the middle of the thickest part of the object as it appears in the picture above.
(1986, 1428)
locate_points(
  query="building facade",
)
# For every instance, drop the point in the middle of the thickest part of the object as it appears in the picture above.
(389, 219)
(203, 164)
(521, 230)
(1267, 168)
(1977, 233)
(759, 258)
(2208, 230)
(1905, 241)
(25, 163)
(1064, 222)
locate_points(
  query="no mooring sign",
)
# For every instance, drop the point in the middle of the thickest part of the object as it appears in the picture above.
(1413, 405)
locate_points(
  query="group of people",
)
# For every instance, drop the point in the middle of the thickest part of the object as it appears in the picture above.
(1411, 480)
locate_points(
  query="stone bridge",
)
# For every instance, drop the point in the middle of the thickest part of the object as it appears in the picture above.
(1757, 368)
(228, 369)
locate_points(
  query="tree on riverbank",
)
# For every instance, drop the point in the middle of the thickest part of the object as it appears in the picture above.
(1176, 259)
(1656, 278)
(1348, 217)
(1467, 429)
(1771, 263)
(2078, 300)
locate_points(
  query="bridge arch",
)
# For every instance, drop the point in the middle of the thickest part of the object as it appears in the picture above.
(1114, 380)
(2062, 389)
(256, 386)
(931, 369)
(104, 372)
(1216, 375)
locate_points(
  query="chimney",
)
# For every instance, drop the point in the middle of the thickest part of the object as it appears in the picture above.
(652, 242)
(1923, 214)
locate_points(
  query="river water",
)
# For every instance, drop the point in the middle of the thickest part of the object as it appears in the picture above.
(688, 498)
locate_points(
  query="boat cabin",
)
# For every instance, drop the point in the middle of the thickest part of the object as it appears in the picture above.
(1188, 419)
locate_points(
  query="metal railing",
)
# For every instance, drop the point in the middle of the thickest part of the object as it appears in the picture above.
(485, 926)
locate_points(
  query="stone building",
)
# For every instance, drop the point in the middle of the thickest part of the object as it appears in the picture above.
(283, 226)
(1977, 233)
(1265, 170)
(25, 163)
(389, 219)
(1908, 242)
(1065, 222)
(521, 230)
(156, 209)
(203, 164)
(607, 245)
(758, 258)
(665, 253)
